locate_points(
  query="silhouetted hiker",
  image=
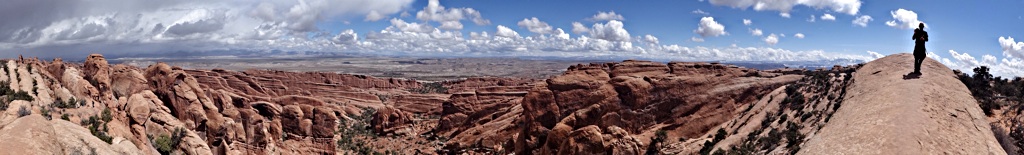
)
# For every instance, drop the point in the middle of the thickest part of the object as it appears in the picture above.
(920, 36)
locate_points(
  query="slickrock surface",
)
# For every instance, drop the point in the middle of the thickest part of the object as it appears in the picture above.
(886, 113)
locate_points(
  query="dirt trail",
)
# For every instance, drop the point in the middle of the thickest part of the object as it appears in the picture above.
(889, 112)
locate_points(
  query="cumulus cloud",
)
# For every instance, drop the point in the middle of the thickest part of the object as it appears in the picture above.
(850, 7)
(287, 25)
(650, 39)
(784, 15)
(876, 55)
(799, 35)
(812, 19)
(578, 28)
(903, 19)
(611, 31)
(346, 37)
(828, 17)
(772, 39)
(965, 59)
(747, 22)
(708, 27)
(606, 16)
(756, 32)
(535, 25)
(1012, 48)
(450, 18)
(862, 21)
(506, 32)
(89, 26)
(1007, 67)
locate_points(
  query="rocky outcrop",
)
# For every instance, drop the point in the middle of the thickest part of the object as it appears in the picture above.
(389, 120)
(572, 112)
(933, 113)
(34, 134)
(96, 70)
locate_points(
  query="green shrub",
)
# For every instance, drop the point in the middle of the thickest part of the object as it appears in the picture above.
(106, 115)
(165, 144)
(65, 105)
(349, 131)
(24, 111)
(20, 95)
(97, 127)
(65, 117)
(46, 113)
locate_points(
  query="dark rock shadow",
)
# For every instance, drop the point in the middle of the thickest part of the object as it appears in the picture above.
(912, 75)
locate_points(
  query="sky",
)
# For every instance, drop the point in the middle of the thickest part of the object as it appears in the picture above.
(963, 34)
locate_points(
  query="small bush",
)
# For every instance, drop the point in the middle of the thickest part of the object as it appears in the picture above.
(46, 113)
(167, 143)
(98, 128)
(65, 117)
(106, 115)
(20, 95)
(65, 105)
(24, 111)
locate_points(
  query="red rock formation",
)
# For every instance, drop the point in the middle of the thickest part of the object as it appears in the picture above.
(572, 112)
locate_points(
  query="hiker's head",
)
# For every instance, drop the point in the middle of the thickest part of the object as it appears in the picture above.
(920, 25)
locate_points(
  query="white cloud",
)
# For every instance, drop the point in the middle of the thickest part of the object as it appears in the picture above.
(84, 26)
(506, 32)
(708, 27)
(374, 16)
(850, 7)
(611, 31)
(828, 17)
(756, 32)
(747, 22)
(988, 60)
(965, 59)
(876, 55)
(1012, 48)
(606, 16)
(700, 12)
(812, 19)
(903, 19)
(862, 21)
(450, 18)
(772, 39)
(578, 28)
(799, 35)
(346, 37)
(288, 25)
(535, 26)
(402, 26)
(696, 39)
(784, 15)
(650, 39)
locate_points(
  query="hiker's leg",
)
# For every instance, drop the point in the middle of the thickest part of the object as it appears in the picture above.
(917, 64)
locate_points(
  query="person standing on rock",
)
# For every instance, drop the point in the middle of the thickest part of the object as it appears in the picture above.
(920, 36)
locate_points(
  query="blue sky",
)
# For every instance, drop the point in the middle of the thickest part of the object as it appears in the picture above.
(964, 34)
